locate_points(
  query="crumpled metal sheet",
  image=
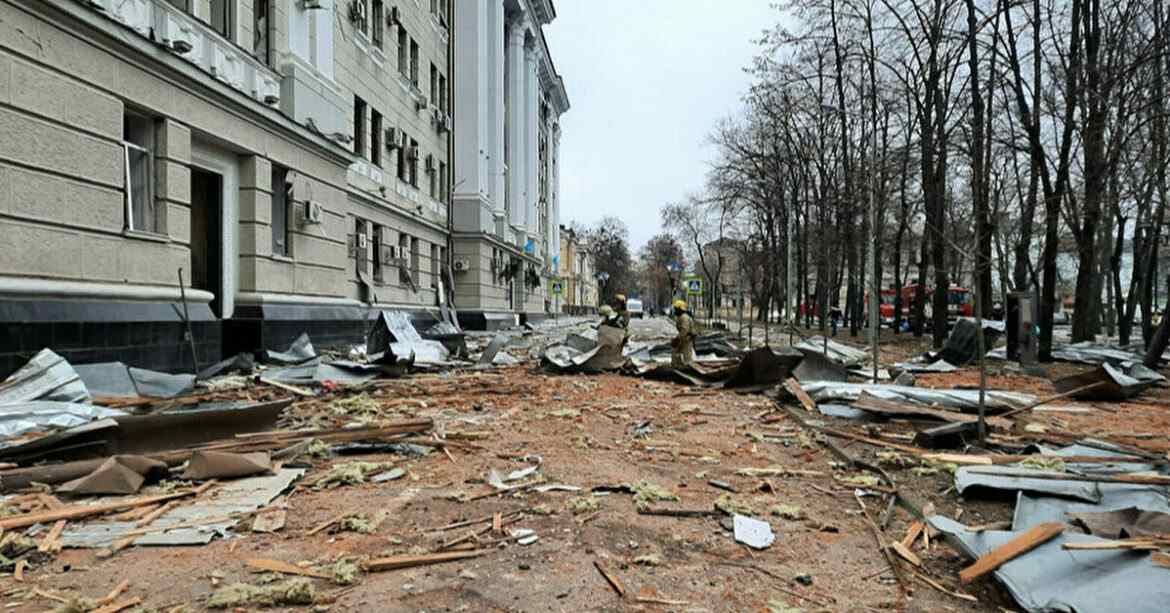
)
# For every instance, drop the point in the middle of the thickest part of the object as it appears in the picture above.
(1049, 579)
(937, 366)
(967, 400)
(814, 366)
(1118, 384)
(1034, 509)
(316, 372)
(232, 497)
(47, 376)
(115, 379)
(19, 418)
(967, 477)
(841, 353)
(963, 341)
(1124, 523)
(1098, 449)
(393, 336)
(301, 350)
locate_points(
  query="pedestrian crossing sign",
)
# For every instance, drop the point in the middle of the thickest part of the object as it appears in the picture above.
(558, 287)
(694, 286)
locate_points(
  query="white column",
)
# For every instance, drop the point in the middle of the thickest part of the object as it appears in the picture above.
(495, 104)
(531, 143)
(471, 94)
(516, 201)
(554, 189)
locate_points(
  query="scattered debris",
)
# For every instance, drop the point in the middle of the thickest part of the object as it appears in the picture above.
(285, 593)
(753, 532)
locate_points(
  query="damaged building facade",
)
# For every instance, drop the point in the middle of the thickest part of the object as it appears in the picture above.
(505, 210)
(294, 159)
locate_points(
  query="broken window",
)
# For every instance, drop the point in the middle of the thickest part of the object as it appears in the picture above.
(261, 47)
(403, 51)
(376, 34)
(401, 153)
(377, 239)
(403, 247)
(222, 20)
(414, 63)
(282, 199)
(138, 153)
(359, 126)
(376, 138)
(413, 162)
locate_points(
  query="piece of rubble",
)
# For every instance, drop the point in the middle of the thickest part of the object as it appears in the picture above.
(291, 592)
(753, 532)
(787, 511)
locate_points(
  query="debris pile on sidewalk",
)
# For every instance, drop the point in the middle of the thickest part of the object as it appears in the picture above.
(573, 467)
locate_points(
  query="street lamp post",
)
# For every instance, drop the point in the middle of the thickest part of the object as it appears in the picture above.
(874, 284)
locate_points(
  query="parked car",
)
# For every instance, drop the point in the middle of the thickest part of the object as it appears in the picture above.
(634, 307)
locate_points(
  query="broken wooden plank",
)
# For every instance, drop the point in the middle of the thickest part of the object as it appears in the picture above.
(609, 577)
(1046, 400)
(284, 568)
(114, 593)
(1029, 540)
(407, 561)
(79, 511)
(872, 404)
(300, 391)
(18, 570)
(119, 606)
(51, 541)
(269, 520)
(905, 553)
(326, 524)
(912, 533)
(1160, 558)
(794, 388)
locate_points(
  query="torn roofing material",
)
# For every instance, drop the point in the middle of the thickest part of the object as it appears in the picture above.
(814, 366)
(47, 376)
(1033, 509)
(301, 350)
(19, 418)
(1051, 579)
(393, 337)
(841, 353)
(959, 399)
(116, 380)
(1114, 383)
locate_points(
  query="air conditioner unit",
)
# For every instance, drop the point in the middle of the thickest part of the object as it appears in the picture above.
(462, 265)
(430, 166)
(172, 33)
(313, 212)
(393, 136)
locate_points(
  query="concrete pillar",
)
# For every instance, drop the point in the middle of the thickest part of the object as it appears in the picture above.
(516, 200)
(495, 113)
(531, 146)
(472, 206)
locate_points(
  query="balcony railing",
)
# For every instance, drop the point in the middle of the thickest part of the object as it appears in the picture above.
(196, 42)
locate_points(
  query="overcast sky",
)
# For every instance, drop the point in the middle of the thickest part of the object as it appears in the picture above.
(647, 80)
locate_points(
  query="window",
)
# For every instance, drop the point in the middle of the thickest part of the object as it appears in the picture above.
(222, 20)
(403, 51)
(261, 35)
(413, 162)
(414, 261)
(138, 156)
(413, 63)
(434, 85)
(442, 93)
(403, 246)
(402, 154)
(435, 262)
(432, 178)
(359, 15)
(360, 246)
(359, 126)
(434, 7)
(182, 5)
(376, 138)
(377, 241)
(376, 34)
(442, 181)
(282, 200)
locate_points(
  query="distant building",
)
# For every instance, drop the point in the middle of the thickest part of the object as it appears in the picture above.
(578, 274)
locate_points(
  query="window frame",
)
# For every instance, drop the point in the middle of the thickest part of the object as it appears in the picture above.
(412, 159)
(229, 18)
(414, 63)
(403, 52)
(284, 203)
(128, 190)
(359, 126)
(375, 138)
(377, 24)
